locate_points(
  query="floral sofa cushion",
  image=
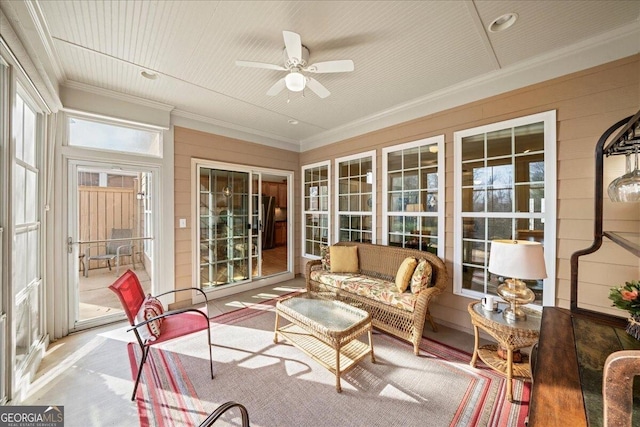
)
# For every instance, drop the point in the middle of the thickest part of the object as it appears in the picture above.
(380, 290)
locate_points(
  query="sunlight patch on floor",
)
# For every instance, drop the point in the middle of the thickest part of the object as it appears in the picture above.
(287, 289)
(394, 393)
(65, 364)
(254, 306)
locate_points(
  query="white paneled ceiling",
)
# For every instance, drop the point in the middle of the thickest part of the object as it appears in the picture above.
(406, 53)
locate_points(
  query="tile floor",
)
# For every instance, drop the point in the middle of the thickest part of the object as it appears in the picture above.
(91, 377)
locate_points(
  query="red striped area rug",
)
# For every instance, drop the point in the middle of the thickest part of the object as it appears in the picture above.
(281, 386)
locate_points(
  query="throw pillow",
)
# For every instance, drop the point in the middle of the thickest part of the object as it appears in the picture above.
(325, 257)
(344, 259)
(421, 278)
(404, 273)
(151, 307)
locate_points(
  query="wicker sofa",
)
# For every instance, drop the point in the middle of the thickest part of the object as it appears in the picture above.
(400, 314)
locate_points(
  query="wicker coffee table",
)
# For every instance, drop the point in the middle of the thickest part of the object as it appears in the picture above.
(326, 330)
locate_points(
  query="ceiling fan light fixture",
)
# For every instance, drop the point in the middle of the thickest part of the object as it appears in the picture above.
(295, 81)
(503, 22)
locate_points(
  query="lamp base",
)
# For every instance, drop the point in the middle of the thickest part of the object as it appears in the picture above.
(514, 313)
(515, 293)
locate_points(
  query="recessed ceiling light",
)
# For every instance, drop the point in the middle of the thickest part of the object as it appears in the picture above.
(292, 122)
(503, 22)
(149, 75)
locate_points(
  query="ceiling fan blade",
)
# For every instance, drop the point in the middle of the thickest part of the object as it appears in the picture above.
(317, 88)
(340, 66)
(293, 43)
(276, 88)
(260, 65)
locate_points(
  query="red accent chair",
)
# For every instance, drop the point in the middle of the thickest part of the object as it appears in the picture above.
(175, 323)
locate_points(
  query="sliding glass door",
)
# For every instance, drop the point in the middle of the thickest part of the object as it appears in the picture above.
(225, 235)
(242, 238)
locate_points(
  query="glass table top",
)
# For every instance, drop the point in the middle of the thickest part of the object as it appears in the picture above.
(333, 315)
(532, 322)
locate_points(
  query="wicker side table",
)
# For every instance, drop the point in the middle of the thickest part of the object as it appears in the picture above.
(510, 336)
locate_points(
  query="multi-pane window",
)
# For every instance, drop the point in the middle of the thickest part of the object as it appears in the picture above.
(414, 195)
(315, 214)
(355, 184)
(28, 139)
(505, 189)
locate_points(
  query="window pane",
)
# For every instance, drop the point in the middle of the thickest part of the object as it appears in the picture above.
(20, 278)
(109, 137)
(530, 168)
(21, 316)
(29, 156)
(395, 181)
(19, 194)
(500, 228)
(18, 127)
(473, 279)
(473, 228)
(499, 200)
(530, 198)
(474, 253)
(530, 229)
(33, 259)
(473, 147)
(34, 306)
(499, 172)
(473, 174)
(31, 196)
(394, 161)
(411, 181)
(529, 138)
(429, 179)
(473, 199)
(499, 143)
(429, 155)
(410, 158)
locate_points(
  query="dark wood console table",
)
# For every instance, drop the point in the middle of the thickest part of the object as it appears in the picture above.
(567, 371)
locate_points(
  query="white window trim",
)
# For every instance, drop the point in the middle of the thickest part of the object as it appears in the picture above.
(304, 212)
(550, 161)
(438, 141)
(372, 213)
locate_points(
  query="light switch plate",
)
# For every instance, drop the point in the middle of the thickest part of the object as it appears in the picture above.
(183, 222)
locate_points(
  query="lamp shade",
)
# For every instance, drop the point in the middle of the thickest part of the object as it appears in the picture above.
(519, 259)
(295, 82)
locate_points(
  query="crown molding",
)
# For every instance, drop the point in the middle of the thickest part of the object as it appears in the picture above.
(11, 37)
(118, 95)
(44, 35)
(611, 46)
(231, 130)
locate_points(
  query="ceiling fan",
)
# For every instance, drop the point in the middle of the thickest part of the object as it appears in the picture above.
(296, 57)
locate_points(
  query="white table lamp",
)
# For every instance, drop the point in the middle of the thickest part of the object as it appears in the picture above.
(518, 260)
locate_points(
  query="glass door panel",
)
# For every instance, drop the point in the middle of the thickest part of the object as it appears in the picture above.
(112, 225)
(224, 233)
(256, 224)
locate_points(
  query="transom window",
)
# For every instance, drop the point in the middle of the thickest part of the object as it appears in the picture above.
(414, 195)
(355, 198)
(315, 214)
(504, 184)
(109, 137)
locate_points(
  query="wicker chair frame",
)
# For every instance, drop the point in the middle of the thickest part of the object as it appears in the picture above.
(382, 262)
